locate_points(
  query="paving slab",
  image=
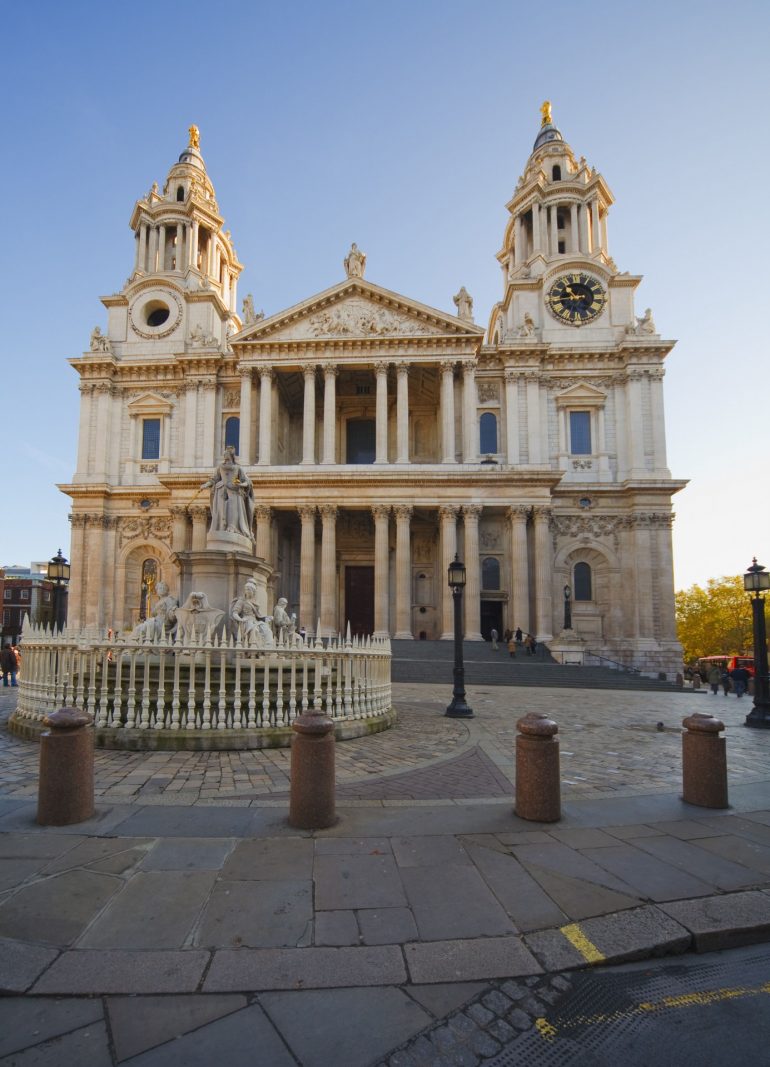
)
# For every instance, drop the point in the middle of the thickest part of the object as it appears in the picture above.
(562, 860)
(257, 915)
(14, 872)
(340, 928)
(734, 824)
(240, 1039)
(188, 822)
(32, 846)
(112, 855)
(26, 1021)
(453, 901)
(724, 921)
(385, 926)
(375, 1021)
(99, 972)
(357, 881)
(308, 968)
(652, 878)
(141, 1023)
(89, 1045)
(578, 898)
(271, 859)
(628, 833)
(428, 851)
(714, 869)
(350, 846)
(528, 905)
(56, 910)
(106, 819)
(581, 837)
(155, 910)
(444, 997)
(686, 829)
(188, 854)
(21, 964)
(469, 960)
(748, 853)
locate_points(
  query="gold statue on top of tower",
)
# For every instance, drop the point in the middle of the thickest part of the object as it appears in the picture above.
(545, 111)
(195, 137)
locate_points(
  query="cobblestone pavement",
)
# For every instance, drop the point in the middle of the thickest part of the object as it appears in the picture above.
(610, 745)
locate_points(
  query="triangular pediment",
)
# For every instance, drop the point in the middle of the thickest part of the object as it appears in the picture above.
(357, 310)
(581, 393)
(149, 404)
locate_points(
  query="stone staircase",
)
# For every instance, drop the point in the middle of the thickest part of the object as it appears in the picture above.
(433, 661)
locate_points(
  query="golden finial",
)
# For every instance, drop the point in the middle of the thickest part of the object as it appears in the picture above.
(545, 111)
(195, 137)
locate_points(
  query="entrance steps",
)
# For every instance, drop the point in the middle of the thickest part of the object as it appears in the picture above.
(433, 661)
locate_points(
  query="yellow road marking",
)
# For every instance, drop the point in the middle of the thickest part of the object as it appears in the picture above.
(578, 939)
(545, 1029)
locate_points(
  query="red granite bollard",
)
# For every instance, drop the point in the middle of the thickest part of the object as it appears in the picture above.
(704, 762)
(66, 786)
(311, 797)
(538, 785)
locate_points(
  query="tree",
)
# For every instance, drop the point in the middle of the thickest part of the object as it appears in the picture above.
(715, 620)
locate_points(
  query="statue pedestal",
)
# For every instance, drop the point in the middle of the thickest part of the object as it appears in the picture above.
(221, 574)
(567, 648)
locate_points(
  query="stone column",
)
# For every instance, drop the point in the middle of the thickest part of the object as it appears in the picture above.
(635, 422)
(330, 413)
(142, 260)
(153, 259)
(381, 513)
(448, 517)
(470, 406)
(328, 570)
(471, 514)
(193, 258)
(244, 437)
(77, 584)
(403, 573)
(519, 612)
(308, 416)
(512, 416)
(402, 413)
(200, 522)
(543, 595)
(534, 434)
(102, 443)
(381, 372)
(307, 615)
(161, 248)
(447, 413)
(596, 239)
(573, 228)
(263, 515)
(518, 241)
(554, 220)
(664, 578)
(536, 235)
(265, 415)
(658, 421)
(210, 452)
(179, 251)
(644, 576)
(179, 539)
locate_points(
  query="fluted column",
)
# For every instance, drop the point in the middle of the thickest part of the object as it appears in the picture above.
(152, 266)
(142, 255)
(536, 233)
(519, 611)
(448, 516)
(161, 248)
(77, 555)
(403, 573)
(644, 576)
(381, 513)
(200, 522)
(307, 612)
(596, 239)
(402, 413)
(244, 435)
(447, 412)
(179, 529)
(308, 417)
(512, 416)
(265, 415)
(209, 400)
(193, 257)
(573, 228)
(664, 579)
(470, 405)
(543, 595)
(330, 413)
(328, 570)
(471, 515)
(179, 250)
(263, 515)
(381, 447)
(554, 223)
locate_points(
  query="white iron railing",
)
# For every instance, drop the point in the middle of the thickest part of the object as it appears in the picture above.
(204, 683)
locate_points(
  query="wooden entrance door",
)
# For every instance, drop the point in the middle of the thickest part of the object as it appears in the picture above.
(359, 600)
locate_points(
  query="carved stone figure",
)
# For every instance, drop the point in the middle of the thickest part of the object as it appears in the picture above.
(195, 137)
(464, 303)
(99, 343)
(253, 628)
(284, 624)
(250, 316)
(527, 328)
(355, 262)
(196, 619)
(200, 339)
(162, 621)
(646, 324)
(232, 497)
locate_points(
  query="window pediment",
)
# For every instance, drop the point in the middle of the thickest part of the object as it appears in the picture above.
(581, 395)
(149, 404)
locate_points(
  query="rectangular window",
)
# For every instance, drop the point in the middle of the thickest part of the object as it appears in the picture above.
(6, 616)
(7, 594)
(24, 594)
(150, 438)
(580, 433)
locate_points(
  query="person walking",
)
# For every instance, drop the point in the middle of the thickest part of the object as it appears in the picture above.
(714, 679)
(724, 678)
(740, 677)
(519, 635)
(493, 637)
(9, 664)
(512, 648)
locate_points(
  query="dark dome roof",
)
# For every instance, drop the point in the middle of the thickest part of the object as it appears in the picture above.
(545, 134)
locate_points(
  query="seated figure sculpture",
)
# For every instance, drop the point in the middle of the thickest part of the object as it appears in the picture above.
(162, 621)
(284, 624)
(196, 619)
(251, 626)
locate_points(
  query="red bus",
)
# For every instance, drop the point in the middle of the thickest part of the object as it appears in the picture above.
(705, 663)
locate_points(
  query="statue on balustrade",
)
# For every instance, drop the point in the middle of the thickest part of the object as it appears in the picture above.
(252, 627)
(162, 621)
(232, 497)
(284, 624)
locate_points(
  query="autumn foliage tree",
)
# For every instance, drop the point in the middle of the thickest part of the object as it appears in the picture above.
(715, 620)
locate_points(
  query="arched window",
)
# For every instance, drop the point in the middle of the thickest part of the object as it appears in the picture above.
(149, 581)
(488, 433)
(556, 173)
(582, 582)
(180, 192)
(232, 432)
(490, 573)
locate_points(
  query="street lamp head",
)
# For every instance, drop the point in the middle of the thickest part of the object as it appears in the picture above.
(567, 592)
(59, 569)
(456, 573)
(756, 579)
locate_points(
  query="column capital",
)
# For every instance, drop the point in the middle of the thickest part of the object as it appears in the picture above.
(246, 373)
(307, 513)
(178, 512)
(331, 370)
(381, 511)
(381, 366)
(469, 366)
(328, 512)
(403, 512)
(447, 366)
(263, 512)
(199, 512)
(403, 369)
(308, 371)
(519, 512)
(449, 512)
(542, 513)
(266, 373)
(472, 511)
(511, 375)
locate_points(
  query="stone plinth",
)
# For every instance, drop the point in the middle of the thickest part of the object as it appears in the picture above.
(312, 802)
(704, 762)
(221, 574)
(538, 786)
(66, 786)
(567, 647)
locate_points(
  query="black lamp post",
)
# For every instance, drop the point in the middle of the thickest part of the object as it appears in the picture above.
(59, 576)
(458, 709)
(567, 608)
(756, 580)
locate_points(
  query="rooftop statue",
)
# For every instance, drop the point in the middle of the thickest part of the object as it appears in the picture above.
(195, 137)
(355, 262)
(464, 304)
(545, 111)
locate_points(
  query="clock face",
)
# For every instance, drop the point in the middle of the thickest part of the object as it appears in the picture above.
(576, 299)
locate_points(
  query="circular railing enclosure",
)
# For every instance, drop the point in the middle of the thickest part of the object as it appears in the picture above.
(203, 692)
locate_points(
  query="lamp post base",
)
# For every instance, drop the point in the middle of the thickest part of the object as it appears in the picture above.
(759, 717)
(458, 709)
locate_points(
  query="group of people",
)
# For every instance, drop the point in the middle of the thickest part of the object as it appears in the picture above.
(737, 679)
(513, 640)
(10, 661)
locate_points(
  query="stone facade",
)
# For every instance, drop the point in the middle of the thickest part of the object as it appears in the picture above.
(383, 436)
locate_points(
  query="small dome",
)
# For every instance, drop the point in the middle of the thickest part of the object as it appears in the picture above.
(546, 134)
(193, 157)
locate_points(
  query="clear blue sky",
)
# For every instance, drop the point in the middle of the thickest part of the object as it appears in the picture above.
(402, 126)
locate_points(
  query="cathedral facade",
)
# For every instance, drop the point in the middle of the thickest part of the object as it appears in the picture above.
(383, 436)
